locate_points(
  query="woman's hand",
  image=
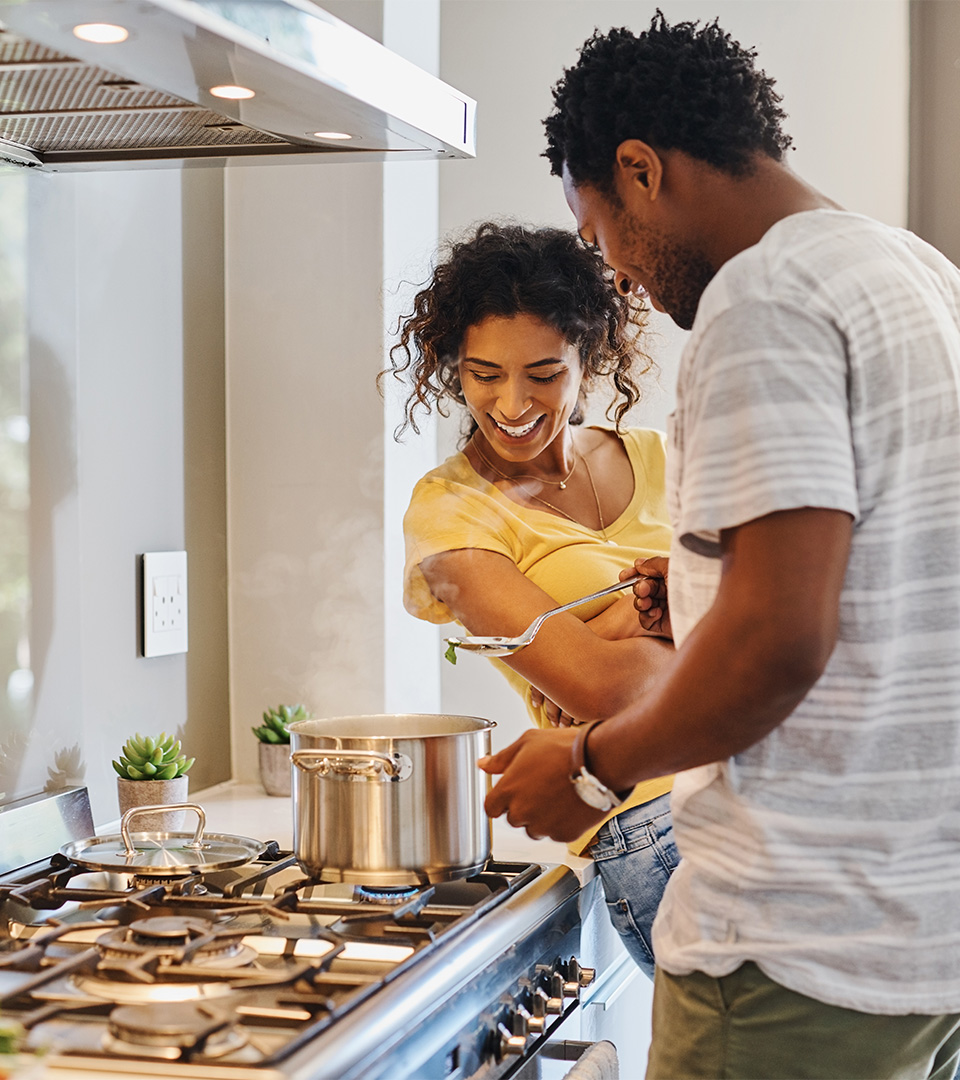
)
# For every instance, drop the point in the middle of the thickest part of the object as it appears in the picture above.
(556, 717)
(650, 595)
(618, 621)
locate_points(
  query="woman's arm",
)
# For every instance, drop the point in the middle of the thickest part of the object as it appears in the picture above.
(618, 621)
(587, 675)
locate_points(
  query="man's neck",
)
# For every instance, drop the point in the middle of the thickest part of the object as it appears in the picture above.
(732, 213)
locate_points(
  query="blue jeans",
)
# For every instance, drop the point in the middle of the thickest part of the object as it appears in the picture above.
(635, 856)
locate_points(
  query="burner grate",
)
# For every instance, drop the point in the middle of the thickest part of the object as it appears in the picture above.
(102, 964)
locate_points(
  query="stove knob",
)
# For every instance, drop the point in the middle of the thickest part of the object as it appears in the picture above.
(511, 1043)
(576, 973)
(561, 987)
(520, 1024)
(573, 978)
(535, 1023)
(545, 1005)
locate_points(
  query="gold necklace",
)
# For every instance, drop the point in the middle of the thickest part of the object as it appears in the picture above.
(530, 495)
(562, 484)
(596, 499)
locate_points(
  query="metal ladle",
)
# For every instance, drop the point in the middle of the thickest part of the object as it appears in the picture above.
(504, 646)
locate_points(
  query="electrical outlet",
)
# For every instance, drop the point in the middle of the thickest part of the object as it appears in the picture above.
(164, 603)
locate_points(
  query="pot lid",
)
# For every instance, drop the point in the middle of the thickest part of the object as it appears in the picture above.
(163, 854)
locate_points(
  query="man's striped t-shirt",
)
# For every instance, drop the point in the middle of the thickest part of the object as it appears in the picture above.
(823, 370)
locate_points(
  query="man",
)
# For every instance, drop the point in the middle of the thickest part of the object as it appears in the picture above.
(813, 706)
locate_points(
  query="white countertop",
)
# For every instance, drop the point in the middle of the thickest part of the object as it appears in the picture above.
(244, 809)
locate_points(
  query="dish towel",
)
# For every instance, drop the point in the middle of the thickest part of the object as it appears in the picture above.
(598, 1062)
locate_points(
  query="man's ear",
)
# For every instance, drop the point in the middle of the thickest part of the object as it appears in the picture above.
(639, 167)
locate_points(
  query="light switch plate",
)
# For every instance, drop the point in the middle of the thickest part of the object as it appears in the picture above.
(164, 603)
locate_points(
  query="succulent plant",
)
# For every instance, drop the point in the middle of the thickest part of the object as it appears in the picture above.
(275, 721)
(152, 757)
(11, 1037)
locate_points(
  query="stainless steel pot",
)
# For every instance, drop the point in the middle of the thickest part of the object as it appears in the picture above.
(390, 800)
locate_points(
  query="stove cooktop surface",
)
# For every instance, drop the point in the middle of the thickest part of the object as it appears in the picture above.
(214, 973)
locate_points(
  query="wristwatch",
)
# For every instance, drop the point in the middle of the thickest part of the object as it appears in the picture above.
(586, 785)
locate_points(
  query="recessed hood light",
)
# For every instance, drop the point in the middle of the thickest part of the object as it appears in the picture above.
(331, 135)
(232, 93)
(101, 33)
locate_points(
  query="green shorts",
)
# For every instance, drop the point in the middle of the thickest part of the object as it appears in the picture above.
(745, 1026)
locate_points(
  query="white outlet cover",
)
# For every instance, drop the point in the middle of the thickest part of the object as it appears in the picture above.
(164, 603)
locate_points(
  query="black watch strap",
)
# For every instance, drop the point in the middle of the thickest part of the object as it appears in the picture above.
(578, 750)
(579, 759)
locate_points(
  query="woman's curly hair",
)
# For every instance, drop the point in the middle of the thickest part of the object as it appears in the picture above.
(505, 270)
(680, 87)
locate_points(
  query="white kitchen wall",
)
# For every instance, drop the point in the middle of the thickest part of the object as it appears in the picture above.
(304, 442)
(934, 134)
(841, 66)
(319, 260)
(112, 319)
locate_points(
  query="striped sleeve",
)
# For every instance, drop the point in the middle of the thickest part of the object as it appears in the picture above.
(767, 422)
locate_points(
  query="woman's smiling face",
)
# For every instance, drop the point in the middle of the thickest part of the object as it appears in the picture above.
(521, 381)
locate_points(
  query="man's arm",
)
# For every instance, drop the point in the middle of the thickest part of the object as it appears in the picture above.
(743, 669)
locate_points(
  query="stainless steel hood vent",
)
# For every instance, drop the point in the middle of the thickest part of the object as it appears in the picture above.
(305, 86)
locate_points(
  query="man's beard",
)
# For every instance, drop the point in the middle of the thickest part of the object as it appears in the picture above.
(678, 273)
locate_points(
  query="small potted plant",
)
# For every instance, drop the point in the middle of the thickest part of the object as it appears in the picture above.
(17, 1060)
(152, 772)
(275, 747)
(11, 1040)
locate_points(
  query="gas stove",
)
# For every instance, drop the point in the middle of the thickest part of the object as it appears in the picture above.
(257, 971)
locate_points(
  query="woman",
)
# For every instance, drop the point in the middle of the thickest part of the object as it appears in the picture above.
(515, 326)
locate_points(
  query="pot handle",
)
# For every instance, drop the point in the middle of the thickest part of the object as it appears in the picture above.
(134, 811)
(354, 764)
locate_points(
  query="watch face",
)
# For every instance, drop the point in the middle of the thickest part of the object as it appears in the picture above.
(592, 793)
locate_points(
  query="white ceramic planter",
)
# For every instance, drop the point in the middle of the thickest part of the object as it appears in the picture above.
(131, 793)
(275, 768)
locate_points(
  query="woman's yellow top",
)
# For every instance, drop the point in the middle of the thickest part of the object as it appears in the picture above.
(453, 508)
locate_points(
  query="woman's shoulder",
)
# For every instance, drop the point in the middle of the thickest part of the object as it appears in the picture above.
(451, 497)
(455, 472)
(647, 440)
(644, 440)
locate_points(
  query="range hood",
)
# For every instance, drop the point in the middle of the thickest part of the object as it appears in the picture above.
(219, 81)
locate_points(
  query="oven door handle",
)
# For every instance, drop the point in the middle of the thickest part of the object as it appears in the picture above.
(607, 989)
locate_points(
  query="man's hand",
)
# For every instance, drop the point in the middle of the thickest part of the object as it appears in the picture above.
(650, 595)
(535, 791)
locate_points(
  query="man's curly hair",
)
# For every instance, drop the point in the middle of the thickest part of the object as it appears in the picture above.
(506, 270)
(681, 87)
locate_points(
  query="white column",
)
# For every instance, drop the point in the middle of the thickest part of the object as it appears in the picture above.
(412, 649)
